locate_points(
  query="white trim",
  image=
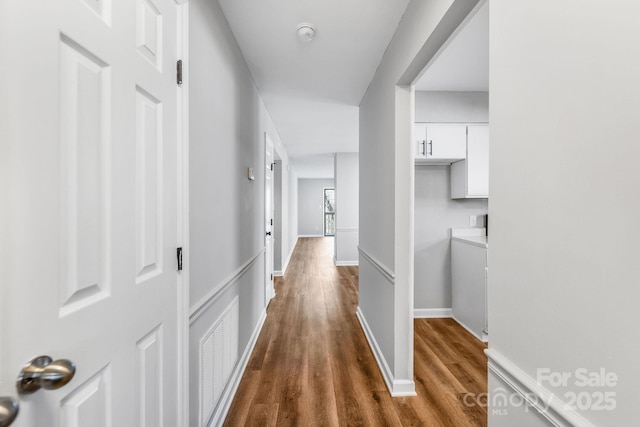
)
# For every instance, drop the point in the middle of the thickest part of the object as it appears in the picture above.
(383, 269)
(182, 293)
(234, 380)
(397, 388)
(432, 313)
(205, 302)
(345, 263)
(312, 235)
(347, 230)
(542, 400)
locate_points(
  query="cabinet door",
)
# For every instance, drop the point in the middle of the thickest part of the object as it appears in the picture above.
(468, 264)
(420, 138)
(478, 160)
(446, 141)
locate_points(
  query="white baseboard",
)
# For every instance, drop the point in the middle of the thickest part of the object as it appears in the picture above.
(537, 397)
(345, 263)
(234, 381)
(432, 313)
(278, 273)
(310, 235)
(397, 388)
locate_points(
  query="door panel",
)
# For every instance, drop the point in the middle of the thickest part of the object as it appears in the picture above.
(84, 143)
(88, 186)
(149, 172)
(89, 403)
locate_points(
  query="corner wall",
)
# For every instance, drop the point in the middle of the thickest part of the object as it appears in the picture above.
(311, 207)
(228, 121)
(386, 207)
(347, 216)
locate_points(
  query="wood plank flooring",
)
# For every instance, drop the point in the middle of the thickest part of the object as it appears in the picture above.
(312, 365)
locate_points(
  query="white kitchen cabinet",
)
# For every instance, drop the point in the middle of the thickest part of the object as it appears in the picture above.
(468, 284)
(470, 177)
(440, 143)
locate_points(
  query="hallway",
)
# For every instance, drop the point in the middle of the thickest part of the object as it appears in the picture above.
(312, 364)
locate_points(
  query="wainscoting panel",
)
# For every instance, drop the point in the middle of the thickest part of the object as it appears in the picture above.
(218, 357)
(223, 327)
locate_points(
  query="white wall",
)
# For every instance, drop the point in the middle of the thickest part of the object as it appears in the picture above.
(290, 218)
(452, 107)
(226, 254)
(564, 175)
(347, 214)
(310, 206)
(435, 212)
(277, 218)
(286, 222)
(386, 166)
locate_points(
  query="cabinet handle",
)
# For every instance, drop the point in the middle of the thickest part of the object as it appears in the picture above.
(424, 148)
(430, 148)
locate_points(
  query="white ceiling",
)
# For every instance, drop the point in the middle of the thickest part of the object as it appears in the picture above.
(318, 166)
(463, 63)
(312, 90)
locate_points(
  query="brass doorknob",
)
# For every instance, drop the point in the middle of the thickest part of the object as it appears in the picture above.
(9, 409)
(43, 372)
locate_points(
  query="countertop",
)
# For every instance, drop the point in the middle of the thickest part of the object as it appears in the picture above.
(481, 241)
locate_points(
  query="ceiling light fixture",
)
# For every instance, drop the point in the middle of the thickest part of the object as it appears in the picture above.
(306, 32)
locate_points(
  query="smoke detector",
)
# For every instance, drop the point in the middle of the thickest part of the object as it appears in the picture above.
(306, 32)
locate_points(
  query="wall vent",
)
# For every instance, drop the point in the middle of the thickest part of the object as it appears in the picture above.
(218, 357)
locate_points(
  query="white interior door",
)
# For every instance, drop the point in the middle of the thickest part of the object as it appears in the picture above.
(89, 208)
(268, 217)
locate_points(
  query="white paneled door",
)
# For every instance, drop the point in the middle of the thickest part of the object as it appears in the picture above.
(88, 208)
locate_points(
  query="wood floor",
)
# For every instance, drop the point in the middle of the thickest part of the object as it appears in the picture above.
(312, 366)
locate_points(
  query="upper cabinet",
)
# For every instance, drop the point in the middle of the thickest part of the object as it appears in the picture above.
(470, 177)
(440, 143)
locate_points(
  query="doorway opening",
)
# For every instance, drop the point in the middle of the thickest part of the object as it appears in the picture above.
(329, 202)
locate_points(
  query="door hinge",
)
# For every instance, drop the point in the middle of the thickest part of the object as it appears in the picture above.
(179, 72)
(271, 221)
(179, 256)
(271, 166)
(272, 277)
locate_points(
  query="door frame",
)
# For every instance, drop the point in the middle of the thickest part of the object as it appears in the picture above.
(268, 257)
(182, 158)
(405, 176)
